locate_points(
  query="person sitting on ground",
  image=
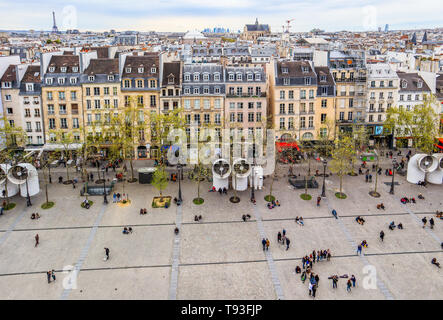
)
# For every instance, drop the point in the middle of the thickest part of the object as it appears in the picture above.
(130, 230)
(213, 189)
(141, 210)
(195, 218)
(244, 217)
(435, 262)
(176, 231)
(270, 205)
(392, 225)
(301, 221)
(86, 204)
(225, 191)
(33, 216)
(125, 230)
(400, 226)
(413, 200)
(381, 206)
(277, 203)
(297, 269)
(360, 220)
(364, 244)
(439, 214)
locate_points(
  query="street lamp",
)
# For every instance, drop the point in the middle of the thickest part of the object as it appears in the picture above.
(179, 174)
(323, 190)
(28, 198)
(105, 199)
(393, 173)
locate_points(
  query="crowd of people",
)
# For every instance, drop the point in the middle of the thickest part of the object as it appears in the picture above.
(273, 204)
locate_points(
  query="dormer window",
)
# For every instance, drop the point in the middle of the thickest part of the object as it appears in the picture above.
(196, 77)
(239, 76)
(187, 77)
(419, 84)
(153, 70)
(140, 70)
(73, 80)
(217, 76)
(307, 81)
(7, 84)
(231, 77)
(51, 69)
(91, 78)
(305, 69)
(284, 70)
(323, 78)
(205, 77)
(250, 77)
(29, 87)
(404, 84)
(48, 80)
(286, 81)
(111, 78)
(257, 77)
(128, 70)
(74, 69)
(61, 80)
(63, 69)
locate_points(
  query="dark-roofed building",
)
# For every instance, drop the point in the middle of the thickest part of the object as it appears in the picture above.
(10, 84)
(170, 86)
(256, 30)
(412, 89)
(62, 97)
(325, 103)
(293, 94)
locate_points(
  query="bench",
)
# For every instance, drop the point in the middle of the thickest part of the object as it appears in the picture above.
(97, 190)
(301, 184)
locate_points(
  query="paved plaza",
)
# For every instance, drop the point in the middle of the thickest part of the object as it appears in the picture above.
(221, 257)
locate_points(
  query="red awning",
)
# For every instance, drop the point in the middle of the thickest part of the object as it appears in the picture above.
(281, 145)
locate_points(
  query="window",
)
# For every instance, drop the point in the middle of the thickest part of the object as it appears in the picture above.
(107, 103)
(50, 109)
(205, 77)
(258, 105)
(196, 77)
(8, 97)
(232, 105)
(250, 77)
(29, 87)
(284, 70)
(141, 70)
(390, 83)
(153, 70)
(239, 117)
(116, 103)
(307, 81)
(206, 90)
(188, 118)
(231, 77)
(350, 115)
(417, 97)
(37, 113)
(10, 111)
(291, 108)
(127, 83)
(311, 122)
(323, 117)
(380, 118)
(286, 81)
(351, 103)
(251, 117)
(250, 105)
(282, 94)
(324, 103)
(7, 84)
(217, 90)
(409, 97)
(371, 118)
(305, 69)
(232, 117)
(311, 94)
(91, 78)
(282, 108)
(196, 90)
(302, 94)
(51, 69)
(382, 84)
(239, 77)
(61, 80)
(197, 118)
(217, 104)
(257, 77)
(61, 95)
(97, 104)
(49, 81)
(62, 108)
(206, 104)
(51, 123)
(239, 105)
(139, 83)
(152, 83)
(342, 116)
(206, 118)
(196, 104)
(401, 97)
(128, 70)
(140, 101)
(106, 90)
(153, 101)
(88, 104)
(322, 78)
(217, 118)
(311, 107)
(111, 78)
(302, 107)
(303, 122)
(217, 76)
(63, 123)
(75, 123)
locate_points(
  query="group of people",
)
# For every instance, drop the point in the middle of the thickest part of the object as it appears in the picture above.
(50, 275)
(143, 211)
(117, 197)
(246, 217)
(349, 284)
(381, 206)
(220, 190)
(405, 200)
(360, 220)
(363, 244)
(392, 226)
(35, 216)
(282, 239)
(198, 218)
(273, 204)
(299, 220)
(425, 221)
(265, 243)
(127, 230)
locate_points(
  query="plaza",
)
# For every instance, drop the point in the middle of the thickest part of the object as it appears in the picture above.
(221, 257)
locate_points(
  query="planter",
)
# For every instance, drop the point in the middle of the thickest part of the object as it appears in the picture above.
(269, 198)
(48, 205)
(198, 201)
(90, 203)
(234, 199)
(374, 194)
(9, 206)
(306, 196)
(161, 202)
(341, 195)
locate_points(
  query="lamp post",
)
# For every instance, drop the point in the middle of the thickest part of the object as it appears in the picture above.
(323, 190)
(28, 198)
(179, 174)
(393, 173)
(105, 199)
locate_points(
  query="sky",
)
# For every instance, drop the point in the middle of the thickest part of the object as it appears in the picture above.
(186, 15)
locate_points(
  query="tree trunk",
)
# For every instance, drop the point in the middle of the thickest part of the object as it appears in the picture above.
(132, 169)
(341, 184)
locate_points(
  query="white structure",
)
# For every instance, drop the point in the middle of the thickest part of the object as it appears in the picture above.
(221, 169)
(436, 177)
(419, 166)
(22, 173)
(256, 178)
(241, 171)
(11, 187)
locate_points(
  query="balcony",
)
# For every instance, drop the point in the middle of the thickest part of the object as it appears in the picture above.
(28, 130)
(62, 112)
(352, 93)
(38, 130)
(26, 102)
(246, 95)
(36, 102)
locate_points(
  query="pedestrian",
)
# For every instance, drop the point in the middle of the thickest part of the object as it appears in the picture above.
(314, 289)
(263, 242)
(348, 286)
(267, 244)
(279, 237)
(318, 201)
(317, 279)
(353, 280)
(36, 240)
(359, 249)
(114, 197)
(334, 213)
(48, 275)
(329, 255)
(431, 223)
(334, 282)
(53, 275)
(424, 220)
(382, 235)
(366, 178)
(107, 254)
(303, 276)
(284, 232)
(313, 256)
(287, 243)
(303, 260)
(310, 288)
(318, 256)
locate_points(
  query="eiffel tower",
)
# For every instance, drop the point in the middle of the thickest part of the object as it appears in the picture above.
(54, 27)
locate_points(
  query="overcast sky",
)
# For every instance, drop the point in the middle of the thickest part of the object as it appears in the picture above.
(184, 15)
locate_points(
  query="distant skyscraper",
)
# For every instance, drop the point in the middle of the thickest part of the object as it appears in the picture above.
(386, 27)
(54, 27)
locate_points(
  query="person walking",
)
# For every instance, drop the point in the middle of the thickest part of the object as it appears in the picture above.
(424, 220)
(431, 223)
(318, 201)
(317, 279)
(314, 289)
(353, 280)
(279, 237)
(310, 288)
(48, 275)
(263, 242)
(287, 243)
(334, 282)
(37, 238)
(382, 235)
(359, 249)
(303, 260)
(107, 254)
(348, 286)
(334, 213)
(267, 244)
(53, 274)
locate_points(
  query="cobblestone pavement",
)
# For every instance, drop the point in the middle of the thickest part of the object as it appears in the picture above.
(221, 257)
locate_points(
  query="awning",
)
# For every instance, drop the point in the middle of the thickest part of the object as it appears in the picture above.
(281, 145)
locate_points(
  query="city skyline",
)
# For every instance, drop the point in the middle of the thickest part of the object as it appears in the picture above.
(182, 16)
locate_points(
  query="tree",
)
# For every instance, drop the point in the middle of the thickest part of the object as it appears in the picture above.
(342, 157)
(361, 139)
(66, 141)
(13, 139)
(374, 193)
(325, 141)
(160, 179)
(421, 124)
(46, 169)
(200, 173)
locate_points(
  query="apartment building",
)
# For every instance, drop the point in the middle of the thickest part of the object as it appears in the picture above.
(203, 92)
(101, 95)
(324, 108)
(62, 96)
(12, 108)
(170, 96)
(293, 90)
(30, 100)
(245, 105)
(382, 94)
(349, 72)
